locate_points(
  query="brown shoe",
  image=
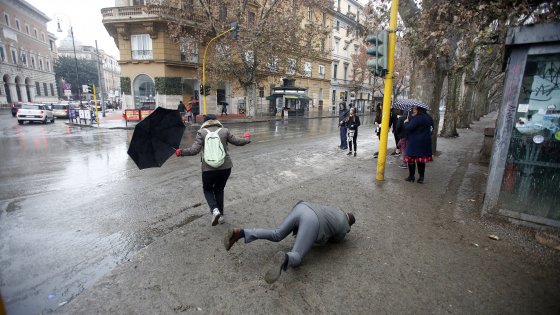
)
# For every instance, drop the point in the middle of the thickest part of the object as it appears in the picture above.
(231, 237)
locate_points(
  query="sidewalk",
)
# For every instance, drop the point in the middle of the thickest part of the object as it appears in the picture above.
(115, 119)
(415, 249)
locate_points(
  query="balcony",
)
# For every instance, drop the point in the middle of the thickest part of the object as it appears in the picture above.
(142, 13)
(142, 55)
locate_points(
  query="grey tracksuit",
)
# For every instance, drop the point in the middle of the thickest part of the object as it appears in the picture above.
(311, 223)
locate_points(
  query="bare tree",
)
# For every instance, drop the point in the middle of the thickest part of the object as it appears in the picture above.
(275, 37)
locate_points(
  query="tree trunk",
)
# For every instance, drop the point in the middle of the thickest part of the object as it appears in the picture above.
(451, 108)
(466, 108)
(251, 99)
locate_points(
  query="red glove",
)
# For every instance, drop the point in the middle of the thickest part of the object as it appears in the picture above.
(178, 152)
(247, 135)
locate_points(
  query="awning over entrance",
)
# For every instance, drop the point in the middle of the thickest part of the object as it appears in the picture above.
(289, 96)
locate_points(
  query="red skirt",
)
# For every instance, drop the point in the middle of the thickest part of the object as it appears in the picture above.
(417, 159)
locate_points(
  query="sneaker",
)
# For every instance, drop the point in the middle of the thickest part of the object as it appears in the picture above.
(279, 262)
(349, 153)
(354, 153)
(222, 219)
(403, 166)
(395, 153)
(232, 236)
(215, 216)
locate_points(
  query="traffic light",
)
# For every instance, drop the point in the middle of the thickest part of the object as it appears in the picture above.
(205, 89)
(379, 50)
(234, 31)
(89, 88)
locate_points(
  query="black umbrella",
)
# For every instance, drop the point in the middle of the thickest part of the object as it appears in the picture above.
(406, 104)
(156, 137)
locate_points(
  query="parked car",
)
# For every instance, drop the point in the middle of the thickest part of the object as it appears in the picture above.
(60, 110)
(15, 107)
(35, 112)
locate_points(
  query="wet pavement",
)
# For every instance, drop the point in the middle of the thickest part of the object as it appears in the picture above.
(73, 205)
(83, 230)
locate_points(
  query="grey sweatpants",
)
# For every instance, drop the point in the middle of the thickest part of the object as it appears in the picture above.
(302, 219)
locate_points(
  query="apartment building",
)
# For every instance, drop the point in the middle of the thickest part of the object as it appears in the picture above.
(27, 54)
(150, 58)
(347, 40)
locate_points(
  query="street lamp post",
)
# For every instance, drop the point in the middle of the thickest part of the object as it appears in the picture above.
(77, 84)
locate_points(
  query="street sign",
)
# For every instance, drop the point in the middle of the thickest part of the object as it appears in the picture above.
(67, 86)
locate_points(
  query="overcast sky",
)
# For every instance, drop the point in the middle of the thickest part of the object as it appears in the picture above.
(85, 17)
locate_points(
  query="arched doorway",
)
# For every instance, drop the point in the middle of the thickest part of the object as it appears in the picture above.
(27, 89)
(6, 79)
(144, 92)
(18, 90)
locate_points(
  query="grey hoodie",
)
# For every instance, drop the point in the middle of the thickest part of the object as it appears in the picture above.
(225, 137)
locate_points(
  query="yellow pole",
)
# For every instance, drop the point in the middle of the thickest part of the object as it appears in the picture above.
(204, 66)
(95, 105)
(388, 92)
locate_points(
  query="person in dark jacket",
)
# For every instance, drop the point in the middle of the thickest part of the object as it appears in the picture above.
(195, 110)
(182, 110)
(342, 118)
(401, 132)
(214, 179)
(419, 142)
(394, 117)
(352, 124)
(311, 224)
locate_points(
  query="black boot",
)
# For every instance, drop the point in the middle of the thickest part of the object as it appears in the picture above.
(421, 169)
(411, 172)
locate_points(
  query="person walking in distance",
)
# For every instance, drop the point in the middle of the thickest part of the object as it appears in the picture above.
(419, 142)
(401, 132)
(352, 124)
(342, 118)
(311, 224)
(182, 110)
(212, 139)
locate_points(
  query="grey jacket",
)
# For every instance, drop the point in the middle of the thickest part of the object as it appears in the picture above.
(225, 137)
(333, 223)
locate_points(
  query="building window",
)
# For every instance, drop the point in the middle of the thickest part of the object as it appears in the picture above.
(272, 64)
(38, 88)
(322, 46)
(52, 89)
(335, 70)
(307, 67)
(23, 58)
(345, 72)
(261, 91)
(33, 63)
(49, 66)
(337, 26)
(336, 43)
(321, 71)
(40, 64)
(309, 13)
(141, 47)
(35, 33)
(43, 37)
(17, 25)
(324, 19)
(45, 89)
(27, 29)
(14, 56)
(2, 54)
(144, 91)
(6, 19)
(189, 51)
(137, 2)
(291, 66)
(320, 93)
(251, 18)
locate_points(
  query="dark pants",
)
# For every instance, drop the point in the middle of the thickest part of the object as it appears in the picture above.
(213, 184)
(224, 110)
(194, 117)
(412, 169)
(343, 141)
(353, 140)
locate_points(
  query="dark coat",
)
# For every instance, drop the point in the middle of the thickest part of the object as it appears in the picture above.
(342, 118)
(399, 128)
(182, 108)
(353, 125)
(419, 135)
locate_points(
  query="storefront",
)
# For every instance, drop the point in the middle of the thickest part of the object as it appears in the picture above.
(524, 177)
(289, 98)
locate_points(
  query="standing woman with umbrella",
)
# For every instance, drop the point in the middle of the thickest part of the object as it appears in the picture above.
(215, 176)
(419, 142)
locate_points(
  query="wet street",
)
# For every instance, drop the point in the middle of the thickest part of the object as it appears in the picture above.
(73, 205)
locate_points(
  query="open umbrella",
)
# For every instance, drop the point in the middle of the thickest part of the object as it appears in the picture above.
(156, 137)
(406, 104)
